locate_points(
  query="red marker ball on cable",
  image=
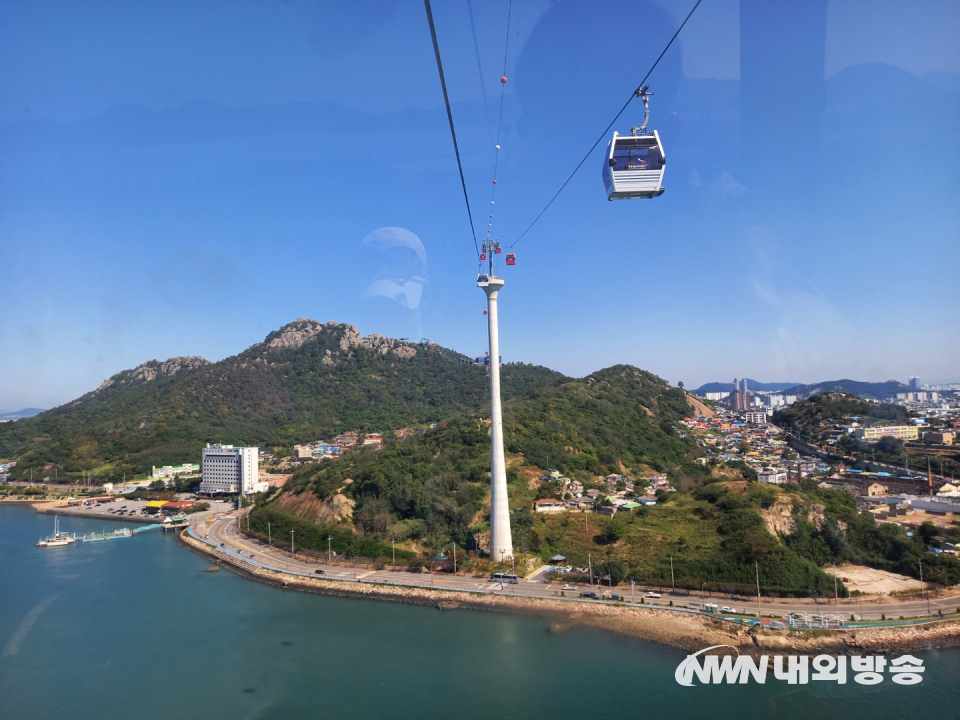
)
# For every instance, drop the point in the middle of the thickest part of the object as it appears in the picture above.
(504, 79)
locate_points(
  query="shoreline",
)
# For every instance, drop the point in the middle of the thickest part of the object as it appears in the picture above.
(672, 627)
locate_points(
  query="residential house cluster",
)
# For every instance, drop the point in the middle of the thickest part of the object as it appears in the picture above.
(323, 450)
(616, 492)
(729, 436)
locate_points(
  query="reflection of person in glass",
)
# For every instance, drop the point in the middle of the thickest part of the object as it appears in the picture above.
(635, 163)
(401, 266)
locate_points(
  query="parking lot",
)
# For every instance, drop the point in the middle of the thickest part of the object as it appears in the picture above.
(128, 510)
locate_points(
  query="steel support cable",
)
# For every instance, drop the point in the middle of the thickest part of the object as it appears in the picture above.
(503, 88)
(453, 133)
(607, 129)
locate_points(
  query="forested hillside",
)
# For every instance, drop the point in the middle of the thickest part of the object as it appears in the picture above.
(812, 418)
(305, 381)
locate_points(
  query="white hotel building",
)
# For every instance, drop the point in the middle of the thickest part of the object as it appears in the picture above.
(229, 470)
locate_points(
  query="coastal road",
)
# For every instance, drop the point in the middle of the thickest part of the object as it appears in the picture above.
(222, 530)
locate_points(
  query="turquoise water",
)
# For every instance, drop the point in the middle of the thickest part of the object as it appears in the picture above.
(134, 628)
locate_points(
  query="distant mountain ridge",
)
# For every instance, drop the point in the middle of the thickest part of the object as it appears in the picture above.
(869, 390)
(18, 414)
(751, 384)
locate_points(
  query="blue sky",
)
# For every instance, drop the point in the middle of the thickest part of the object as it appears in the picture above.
(181, 178)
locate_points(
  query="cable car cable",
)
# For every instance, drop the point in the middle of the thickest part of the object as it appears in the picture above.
(593, 147)
(453, 133)
(503, 88)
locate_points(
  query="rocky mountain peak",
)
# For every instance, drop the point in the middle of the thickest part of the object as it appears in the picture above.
(346, 337)
(152, 369)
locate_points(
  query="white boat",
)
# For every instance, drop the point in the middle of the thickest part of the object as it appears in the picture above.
(58, 539)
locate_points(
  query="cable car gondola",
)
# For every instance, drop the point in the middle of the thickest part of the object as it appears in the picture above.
(634, 164)
(511, 259)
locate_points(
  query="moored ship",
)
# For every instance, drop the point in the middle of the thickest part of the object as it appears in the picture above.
(58, 539)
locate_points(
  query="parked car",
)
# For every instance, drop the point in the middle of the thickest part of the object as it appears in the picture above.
(318, 571)
(589, 594)
(652, 594)
(252, 556)
(223, 544)
(568, 587)
(617, 597)
(726, 609)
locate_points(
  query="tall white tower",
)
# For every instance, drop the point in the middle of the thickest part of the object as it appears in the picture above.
(501, 541)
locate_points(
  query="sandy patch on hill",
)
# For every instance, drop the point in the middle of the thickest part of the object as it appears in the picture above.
(870, 581)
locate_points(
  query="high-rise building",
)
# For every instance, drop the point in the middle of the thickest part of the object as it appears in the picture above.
(229, 470)
(739, 399)
(915, 383)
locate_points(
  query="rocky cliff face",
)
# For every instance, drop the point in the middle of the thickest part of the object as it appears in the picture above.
(152, 369)
(340, 338)
(780, 517)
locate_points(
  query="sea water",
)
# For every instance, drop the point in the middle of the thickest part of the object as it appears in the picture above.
(135, 628)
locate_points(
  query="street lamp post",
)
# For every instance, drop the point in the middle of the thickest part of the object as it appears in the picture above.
(922, 592)
(756, 566)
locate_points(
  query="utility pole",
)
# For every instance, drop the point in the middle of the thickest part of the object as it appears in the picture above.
(330, 537)
(269, 536)
(673, 583)
(293, 551)
(590, 562)
(756, 566)
(454, 558)
(393, 547)
(836, 597)
(633, 597)
(922, 593)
